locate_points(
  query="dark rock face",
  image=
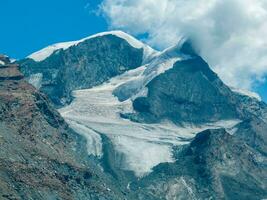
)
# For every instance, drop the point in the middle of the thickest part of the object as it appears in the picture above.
(85, 65)
(40, 156)
(215, 165)
(188, 48)
(192, 92)
(254, 133)
(189, 91)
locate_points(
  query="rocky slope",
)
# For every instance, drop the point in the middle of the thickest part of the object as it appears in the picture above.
(40, 156)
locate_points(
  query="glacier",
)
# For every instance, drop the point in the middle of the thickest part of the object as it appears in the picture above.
(97, 111)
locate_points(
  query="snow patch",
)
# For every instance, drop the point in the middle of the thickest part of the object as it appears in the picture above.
(12, 60)
(36, 80)
(1, 62)
(47, 51)
(161, 62)
(136, 87)
(246, 93)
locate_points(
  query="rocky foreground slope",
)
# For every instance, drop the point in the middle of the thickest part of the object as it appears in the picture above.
(40, 156)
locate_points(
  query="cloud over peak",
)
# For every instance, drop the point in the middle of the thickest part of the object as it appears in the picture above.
(231, 34)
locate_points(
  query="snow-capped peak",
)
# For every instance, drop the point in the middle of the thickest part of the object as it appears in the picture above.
(47, 51)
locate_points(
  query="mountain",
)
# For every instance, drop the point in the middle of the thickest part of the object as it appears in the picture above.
(189, 92)
(61, 68)
(162, 125)
(40, 156)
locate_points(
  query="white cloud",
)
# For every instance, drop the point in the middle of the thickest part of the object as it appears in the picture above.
(231, 34)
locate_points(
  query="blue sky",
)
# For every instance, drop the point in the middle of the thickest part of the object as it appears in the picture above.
(28, 25)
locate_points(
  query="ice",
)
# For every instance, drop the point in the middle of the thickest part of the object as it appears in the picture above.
(151, 154)
(12, 60)
(36, 80)
(41, 55)
(143, 146)
(136, 87)
(94, 141)
(161, 62)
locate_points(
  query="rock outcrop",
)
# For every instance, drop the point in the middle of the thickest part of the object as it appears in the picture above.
(9, 71)
(215, 165)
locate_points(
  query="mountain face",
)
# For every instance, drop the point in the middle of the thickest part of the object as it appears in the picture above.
(191, 92)
(162, 125)
(85, 64)
(40, 156)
